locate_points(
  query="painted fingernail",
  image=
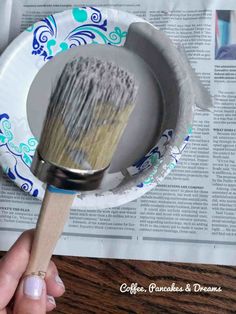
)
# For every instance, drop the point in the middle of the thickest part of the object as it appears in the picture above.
(59, 281)
(33, 287)
(51, 300)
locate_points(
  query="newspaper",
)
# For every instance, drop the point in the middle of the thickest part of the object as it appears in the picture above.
(191, 216)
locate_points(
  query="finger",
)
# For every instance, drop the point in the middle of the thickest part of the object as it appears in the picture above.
(6, 311)
(31, 296)
(51, 303)
(12, 267)
(55, 286)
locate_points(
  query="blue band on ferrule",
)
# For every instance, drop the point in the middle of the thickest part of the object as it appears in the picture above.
(53, 189)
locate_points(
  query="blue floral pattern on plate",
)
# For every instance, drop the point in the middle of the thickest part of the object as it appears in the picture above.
(23, 152)
(155, 154)
(91, 28)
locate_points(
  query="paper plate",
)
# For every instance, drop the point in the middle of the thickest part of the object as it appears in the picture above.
(21, 62)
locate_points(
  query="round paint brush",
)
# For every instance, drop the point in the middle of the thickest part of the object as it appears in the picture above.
(87, 114)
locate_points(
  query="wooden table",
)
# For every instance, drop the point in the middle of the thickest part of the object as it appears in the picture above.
(93, 286)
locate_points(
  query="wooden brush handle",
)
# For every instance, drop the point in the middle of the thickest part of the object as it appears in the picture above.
(52, 218)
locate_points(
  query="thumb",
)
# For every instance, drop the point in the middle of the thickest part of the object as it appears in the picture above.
(31, 296)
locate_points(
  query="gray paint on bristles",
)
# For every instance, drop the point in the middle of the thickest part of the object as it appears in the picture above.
(88, 111)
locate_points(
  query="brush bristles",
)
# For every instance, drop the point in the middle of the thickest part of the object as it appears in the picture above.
(88, 111)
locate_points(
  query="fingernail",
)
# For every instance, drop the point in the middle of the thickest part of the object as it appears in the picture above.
(59, 281)
(51, 300)
(33, 287)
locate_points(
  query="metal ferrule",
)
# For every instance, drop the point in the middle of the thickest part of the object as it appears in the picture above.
(66, 178)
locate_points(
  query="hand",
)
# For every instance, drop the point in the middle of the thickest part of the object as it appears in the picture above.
(31, 294)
